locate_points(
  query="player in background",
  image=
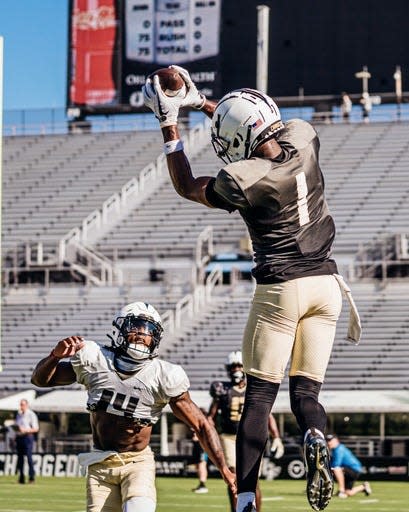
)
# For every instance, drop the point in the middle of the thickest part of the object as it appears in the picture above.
(347, 468)
(226, 410)
(128, 386)
(271, 175)
(200, 459)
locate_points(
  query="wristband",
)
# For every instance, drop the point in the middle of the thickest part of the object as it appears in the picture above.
(172, 145)
(203, 98)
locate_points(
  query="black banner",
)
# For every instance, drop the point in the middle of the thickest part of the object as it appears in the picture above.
(292, 468)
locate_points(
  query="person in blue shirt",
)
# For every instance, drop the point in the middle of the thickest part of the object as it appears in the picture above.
(346, 468)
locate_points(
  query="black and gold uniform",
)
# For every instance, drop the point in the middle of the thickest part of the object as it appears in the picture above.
(230, 399)
(297, 300)
(272, 177)
(283, 205)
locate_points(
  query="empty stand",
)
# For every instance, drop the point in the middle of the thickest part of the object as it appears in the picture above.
(33, 323)
(50, 183)
(34, 320)
(380, 361)
(364, 168)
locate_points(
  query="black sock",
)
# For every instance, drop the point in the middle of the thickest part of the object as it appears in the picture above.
(304, 404)
(253, 431)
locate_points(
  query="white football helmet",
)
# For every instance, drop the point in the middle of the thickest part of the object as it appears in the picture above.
(242, 120)
(134, 315)
(234, 358)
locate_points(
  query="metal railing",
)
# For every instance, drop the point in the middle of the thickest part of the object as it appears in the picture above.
(381, 271)
(54, 121)
(118, 204)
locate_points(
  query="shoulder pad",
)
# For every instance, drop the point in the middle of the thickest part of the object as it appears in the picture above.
(298, 133)
(174, 378)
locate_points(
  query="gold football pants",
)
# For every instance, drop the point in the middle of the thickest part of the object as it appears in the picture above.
(294, 320)
(118, 478)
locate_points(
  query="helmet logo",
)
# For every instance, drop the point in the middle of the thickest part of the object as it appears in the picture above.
(258, 123)
(243, 119)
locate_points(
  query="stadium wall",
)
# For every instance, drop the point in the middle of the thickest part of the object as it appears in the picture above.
(288, 467)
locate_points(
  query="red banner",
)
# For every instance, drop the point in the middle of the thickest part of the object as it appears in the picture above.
(93, 32)
(115, 44)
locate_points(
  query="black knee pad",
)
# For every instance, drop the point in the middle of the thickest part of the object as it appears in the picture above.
(260, 397)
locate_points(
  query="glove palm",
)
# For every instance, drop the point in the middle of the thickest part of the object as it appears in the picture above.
(193, 97)
(165, 108)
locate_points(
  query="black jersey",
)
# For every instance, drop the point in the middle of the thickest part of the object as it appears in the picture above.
(230, 400)
(283, 205)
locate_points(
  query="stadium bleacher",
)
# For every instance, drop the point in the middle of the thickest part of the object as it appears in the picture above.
(51, 183)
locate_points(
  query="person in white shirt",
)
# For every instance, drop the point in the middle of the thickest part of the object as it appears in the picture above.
(26, 426)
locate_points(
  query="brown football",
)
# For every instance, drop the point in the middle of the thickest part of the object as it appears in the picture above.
(170, 80)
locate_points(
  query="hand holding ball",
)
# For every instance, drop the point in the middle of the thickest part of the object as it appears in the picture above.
(170, 81)
(166, 90)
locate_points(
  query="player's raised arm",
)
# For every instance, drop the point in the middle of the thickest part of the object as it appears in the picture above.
(166, 109)
(51, 371)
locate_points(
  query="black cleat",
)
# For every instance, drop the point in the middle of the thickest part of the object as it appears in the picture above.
(320, 483)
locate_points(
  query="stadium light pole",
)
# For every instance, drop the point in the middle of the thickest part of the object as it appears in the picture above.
(398, 88)
(263, 16)
(364, 75)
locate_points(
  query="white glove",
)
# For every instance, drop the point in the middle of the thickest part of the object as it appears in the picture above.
(193, 97)
(277, 448)
(165, 108)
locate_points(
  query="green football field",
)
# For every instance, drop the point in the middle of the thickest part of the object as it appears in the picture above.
(175, 495)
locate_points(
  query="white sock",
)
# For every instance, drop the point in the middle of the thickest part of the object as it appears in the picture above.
(243, 499)
(316, 430)
(138, 503)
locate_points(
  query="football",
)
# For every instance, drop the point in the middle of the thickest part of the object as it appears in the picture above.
(171, 82)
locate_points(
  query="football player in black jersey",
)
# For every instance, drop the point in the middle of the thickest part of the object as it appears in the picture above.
(272, 177)
(226, 410)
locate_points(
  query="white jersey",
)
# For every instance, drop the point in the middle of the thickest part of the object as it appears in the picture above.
(27, 419)
(141, 396)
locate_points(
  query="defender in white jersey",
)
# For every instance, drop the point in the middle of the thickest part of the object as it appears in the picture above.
(128, 386)
(273, 179)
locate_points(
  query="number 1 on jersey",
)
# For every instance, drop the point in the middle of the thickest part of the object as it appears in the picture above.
(302, 204)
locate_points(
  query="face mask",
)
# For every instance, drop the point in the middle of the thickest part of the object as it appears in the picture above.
(237, 376)
(138, 351)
